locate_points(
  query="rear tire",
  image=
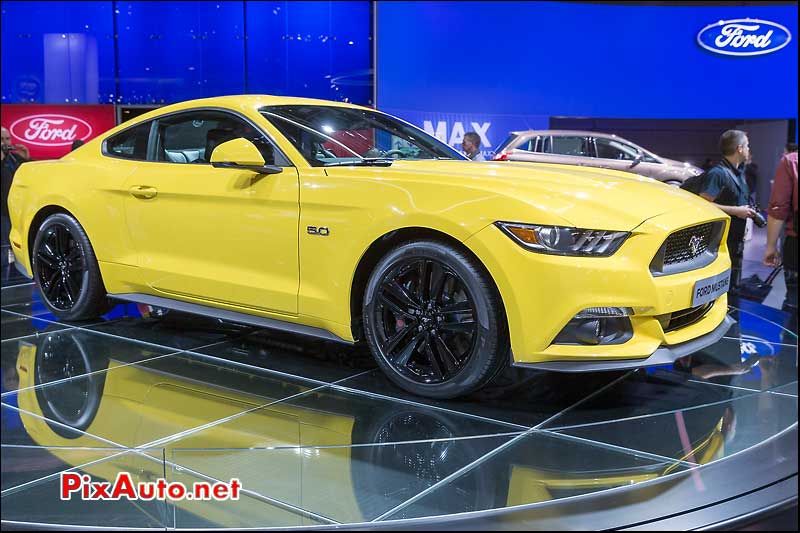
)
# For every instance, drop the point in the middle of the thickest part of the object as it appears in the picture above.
(434, 321)
(65, 270)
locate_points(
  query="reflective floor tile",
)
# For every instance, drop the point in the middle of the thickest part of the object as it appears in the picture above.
(16, 295)
(768, 323)
(35, 308)
(532, 469)
(23, 465)
(520, 397)
(156, 398)
(246, 512)
(14, 326)
(22, 427)
(64, 354)
(296, 355)
(714, 375)
(40, 501)
(346, 484)
(177, 330)
(790, 389)
(332, 417)
(760, 367)
(701, 434)
(33, 447)
(9, 275)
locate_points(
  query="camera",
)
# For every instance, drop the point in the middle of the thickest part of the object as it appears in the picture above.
(758, 218)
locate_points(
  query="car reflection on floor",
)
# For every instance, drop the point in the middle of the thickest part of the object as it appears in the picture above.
(299, 456)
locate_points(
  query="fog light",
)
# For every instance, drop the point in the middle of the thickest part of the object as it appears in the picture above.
(588, 331)
(603, 312)
(598, 325)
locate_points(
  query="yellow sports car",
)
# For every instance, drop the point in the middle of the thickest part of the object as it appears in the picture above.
(342, 222)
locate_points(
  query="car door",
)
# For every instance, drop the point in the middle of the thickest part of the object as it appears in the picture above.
(565, 149)
(615, 154)
(214, 235)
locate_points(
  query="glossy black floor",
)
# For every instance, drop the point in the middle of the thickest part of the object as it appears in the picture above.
(318, 436)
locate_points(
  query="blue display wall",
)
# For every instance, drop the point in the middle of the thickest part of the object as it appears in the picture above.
(164, 52)
(494, 67)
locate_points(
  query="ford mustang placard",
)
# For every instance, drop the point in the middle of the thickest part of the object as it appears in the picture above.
(344, 223)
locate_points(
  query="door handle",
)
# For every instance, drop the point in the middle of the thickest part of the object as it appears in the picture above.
(143, 191)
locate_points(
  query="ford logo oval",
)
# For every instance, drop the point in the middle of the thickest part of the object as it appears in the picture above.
(51, 130)
(743, 37)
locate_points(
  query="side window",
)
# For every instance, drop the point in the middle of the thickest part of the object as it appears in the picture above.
(131, 143)
(527, 145)
(614, 149)
(570, 145)
(545, 145)
(192, 137)
(315, 148)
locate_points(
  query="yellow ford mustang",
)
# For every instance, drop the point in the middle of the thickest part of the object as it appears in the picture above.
(342, 222)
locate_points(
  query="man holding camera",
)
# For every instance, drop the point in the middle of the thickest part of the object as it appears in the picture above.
(13, 156)
(726, 187)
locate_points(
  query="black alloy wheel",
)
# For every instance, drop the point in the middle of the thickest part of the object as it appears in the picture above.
(66, 271)
(433, 320)
(60, 267)
(427, 320)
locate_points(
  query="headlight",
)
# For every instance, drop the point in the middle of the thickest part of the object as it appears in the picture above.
(559, 240)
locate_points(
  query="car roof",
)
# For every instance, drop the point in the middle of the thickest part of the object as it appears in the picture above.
(567, 132)
(240, 102)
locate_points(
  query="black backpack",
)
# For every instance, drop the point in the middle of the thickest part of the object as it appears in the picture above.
(695, 184)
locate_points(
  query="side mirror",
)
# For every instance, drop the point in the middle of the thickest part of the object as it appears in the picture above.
(241, 154)
(638, 159)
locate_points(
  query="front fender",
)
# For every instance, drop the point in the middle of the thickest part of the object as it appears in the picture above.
(358, 211)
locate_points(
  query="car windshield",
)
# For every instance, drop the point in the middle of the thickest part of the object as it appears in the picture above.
(334, 136)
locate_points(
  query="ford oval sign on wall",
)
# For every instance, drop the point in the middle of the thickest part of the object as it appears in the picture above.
(744, 37)
(51, 130)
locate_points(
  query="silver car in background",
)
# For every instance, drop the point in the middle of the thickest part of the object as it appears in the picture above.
(592, 149)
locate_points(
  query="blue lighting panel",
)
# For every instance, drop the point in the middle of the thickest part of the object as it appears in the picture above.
(57, 52)
(173, 51)
(515, 64)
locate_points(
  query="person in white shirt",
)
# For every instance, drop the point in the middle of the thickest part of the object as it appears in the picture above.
(472, 146)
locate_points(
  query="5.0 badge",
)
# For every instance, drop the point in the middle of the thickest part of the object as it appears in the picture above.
(321, 230)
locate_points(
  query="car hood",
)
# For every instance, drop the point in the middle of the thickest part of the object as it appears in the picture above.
(675, 163)
(584, 197)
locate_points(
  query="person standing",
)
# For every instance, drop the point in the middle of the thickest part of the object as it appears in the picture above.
(472, 146)
(782, 213)
(12, 157)
(725, 186)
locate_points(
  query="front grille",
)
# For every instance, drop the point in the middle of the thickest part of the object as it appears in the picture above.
(688, 249)
(684, 317)
(678, 249)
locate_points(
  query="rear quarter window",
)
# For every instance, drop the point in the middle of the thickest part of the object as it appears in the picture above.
(131, 143)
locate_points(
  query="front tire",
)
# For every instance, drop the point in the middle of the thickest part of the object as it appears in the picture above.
(434, 321)
(65, 270)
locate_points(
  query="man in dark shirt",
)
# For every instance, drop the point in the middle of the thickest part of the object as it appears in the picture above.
(725, 186)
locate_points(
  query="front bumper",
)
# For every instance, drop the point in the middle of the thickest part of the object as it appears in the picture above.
(662, 356)
(541, 293)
